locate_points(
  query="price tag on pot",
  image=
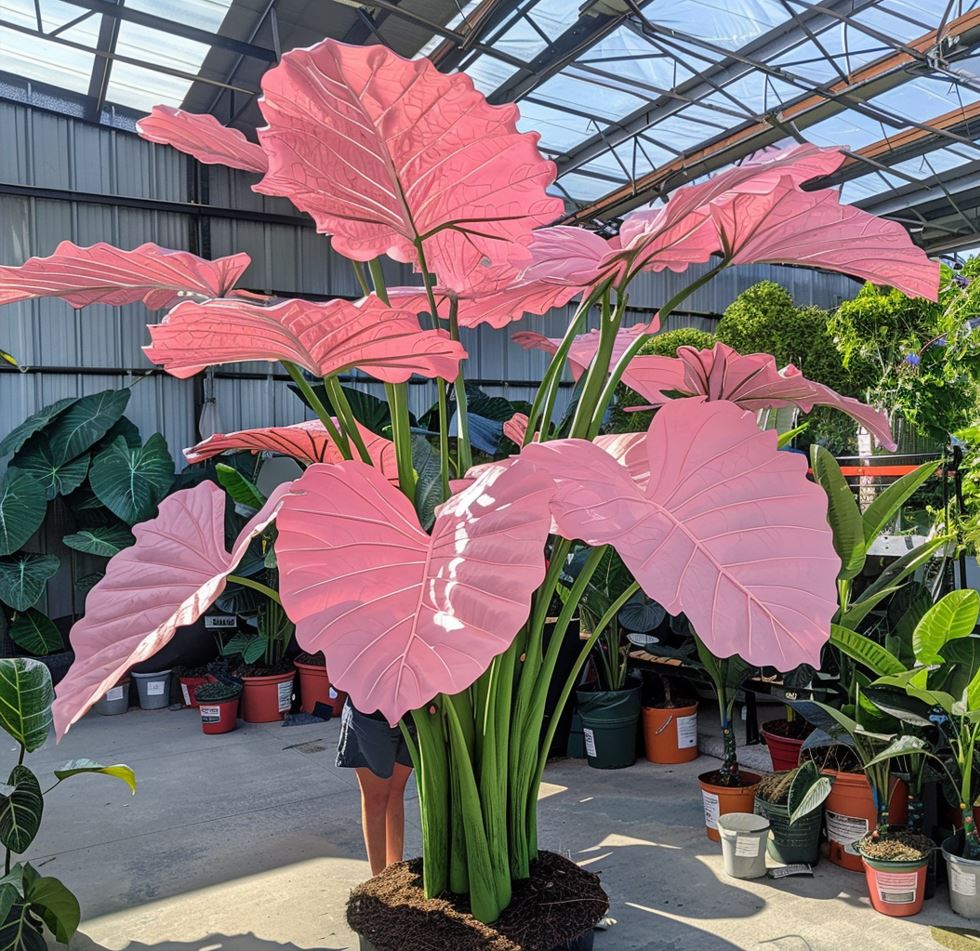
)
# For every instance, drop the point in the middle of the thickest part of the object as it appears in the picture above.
(589, 736)
(711, 809)
(210, 714)
(845, 829)
(687, 732)
(285, 695)
(747, 846)
(963, 883)
(154, 688)
(897, 888)
(186, 693)
(114, 693)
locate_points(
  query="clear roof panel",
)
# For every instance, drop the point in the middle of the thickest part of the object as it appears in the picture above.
(727, 24)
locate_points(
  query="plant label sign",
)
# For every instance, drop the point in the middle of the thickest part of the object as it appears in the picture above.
(845, 829)
(897, 888)
(220, 622)
(747, 846)
(963, 883)
(687, 732)
(114, 693)
(210, 714)
(711, 809)
(154, 688)
(589, 736)
(187, 695)
(285, 695)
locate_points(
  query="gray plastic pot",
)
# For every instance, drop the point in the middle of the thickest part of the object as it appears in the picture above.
(114, 701)
(964, 878)
(153, 689)
(743, 844)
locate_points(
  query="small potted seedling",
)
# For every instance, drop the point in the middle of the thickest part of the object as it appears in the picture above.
(218, 704)
(793, 803)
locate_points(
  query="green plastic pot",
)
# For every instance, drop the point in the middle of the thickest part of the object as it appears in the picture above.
(609, 719)
(789, 844)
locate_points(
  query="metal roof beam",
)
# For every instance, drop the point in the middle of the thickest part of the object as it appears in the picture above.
(876, 77)
(98, 83)
(448, 55)
(959, 189)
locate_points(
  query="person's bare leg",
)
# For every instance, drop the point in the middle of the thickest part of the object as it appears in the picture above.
(395, 814)
(374, 806)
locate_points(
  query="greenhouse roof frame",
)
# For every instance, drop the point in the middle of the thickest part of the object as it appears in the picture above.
(631, 99)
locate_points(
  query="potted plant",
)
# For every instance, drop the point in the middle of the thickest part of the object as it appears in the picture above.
(670, 726)
(792, 802)
(32, 902)
(314, 684)
(430, 599)
(218, 704)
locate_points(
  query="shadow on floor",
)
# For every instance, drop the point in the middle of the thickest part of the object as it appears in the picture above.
(213, 942)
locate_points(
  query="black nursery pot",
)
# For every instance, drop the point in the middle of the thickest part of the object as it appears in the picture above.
(609, 719)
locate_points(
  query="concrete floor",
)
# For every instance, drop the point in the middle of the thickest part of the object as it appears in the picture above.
(251, 842)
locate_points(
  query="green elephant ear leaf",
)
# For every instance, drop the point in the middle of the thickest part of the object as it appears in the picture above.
(132, 482)
(20, 810)
(242, 490)
(36, 633)
(23, 577)
(26, 696)
(34, 423)
(842, 512)
(428, 488)
(58, 478)
(54, 904)
(76, 429)
(23, 505)
(19, 933)
(78, 767)
(104, 541)
(124, 427)
(949, 619)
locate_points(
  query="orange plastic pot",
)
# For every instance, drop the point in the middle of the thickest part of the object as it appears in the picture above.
(315, 687)
(849, 814)
(720, 800)
(220, 716)
(670, 734)
(784, 751)
(189, 684)
(897, 889)
(268, 698)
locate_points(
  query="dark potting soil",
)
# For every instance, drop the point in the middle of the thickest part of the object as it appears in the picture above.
(902, 846)
(839, 758)
(797, 729)
(559, 902)
(316, 659)
(259, 670)
(718, 778)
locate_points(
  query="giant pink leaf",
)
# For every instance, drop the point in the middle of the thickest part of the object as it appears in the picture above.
(324, 338)
(308, 442)
(102, 274)
(752, 381)
(789, 226)
(399, 615)
(203, 137)
(383, 151)
(570, 257)
(728, 530)
(168, 579)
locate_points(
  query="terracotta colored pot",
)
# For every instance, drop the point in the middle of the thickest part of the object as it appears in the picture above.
(784, 751)
(896, 888)
(314, 688)
(268, 698)
(849, 814)
(189, 684)
(670, 734)
(720, 800)
(220, 716)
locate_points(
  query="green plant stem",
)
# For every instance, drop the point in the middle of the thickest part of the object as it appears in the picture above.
(345, 415)
(378, 279)
(463, 448)
(358, 269)
(598, 368)
(321, 411)
(270, 593)
(432, 779)
(401, 436)
(443, 437)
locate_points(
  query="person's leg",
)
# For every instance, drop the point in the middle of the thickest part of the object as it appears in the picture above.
(395, 814)
(374, 816)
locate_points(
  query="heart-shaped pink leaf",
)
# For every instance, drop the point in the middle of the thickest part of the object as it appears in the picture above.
(102, 274)
(728, 530)
(308, 442)
(383, 151)
(203, 137)
(325, 339)
(172, 574)
(752, 381)
(570, 257)
(399, 615)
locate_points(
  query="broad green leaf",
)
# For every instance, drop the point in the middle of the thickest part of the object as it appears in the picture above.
(962, 658)
(863, 649)
(77, 767)
(950, 618)
(242, 490)
(104, 541)
(23, 505)
(36, 633)
(19, 934)
(859, 610)
(807, 792)
(124, 427)
(55, 905)
(23, 577)
(787, 437)
(251, 647)
(842, 722)
(842, 512)
(973, 692)
(57, 477)
(87, 582)
(9, 896)
(26, 696)
(898, 703)
(882, 510)
(906, 681)
(132, 482)
(902, 746)
(428, 488)
(902, 567)
(20, 812)
(34, 423)
(76, 429)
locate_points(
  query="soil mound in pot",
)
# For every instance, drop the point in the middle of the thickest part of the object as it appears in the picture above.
(796, 729)
(897, 847)
(557, 903)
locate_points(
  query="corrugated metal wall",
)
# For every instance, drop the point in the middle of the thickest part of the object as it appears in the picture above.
(76, 352)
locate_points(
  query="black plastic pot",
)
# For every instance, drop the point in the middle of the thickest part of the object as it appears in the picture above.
(609, 719)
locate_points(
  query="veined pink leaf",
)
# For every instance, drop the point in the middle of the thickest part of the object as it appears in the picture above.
(102, 274)
(571, 257)
(168, 579)
(382, 150)
(308, 442)
(728, 530)
(203, 137)
(751, 381)
(789, 226)
(325, 338)
(515, 428)
(401, 616)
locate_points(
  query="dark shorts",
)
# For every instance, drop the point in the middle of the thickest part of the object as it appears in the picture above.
(366, 739)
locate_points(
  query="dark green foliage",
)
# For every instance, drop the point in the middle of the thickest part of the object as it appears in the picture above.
(215, 693)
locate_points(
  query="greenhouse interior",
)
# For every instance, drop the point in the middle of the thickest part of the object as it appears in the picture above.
(490, 475)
